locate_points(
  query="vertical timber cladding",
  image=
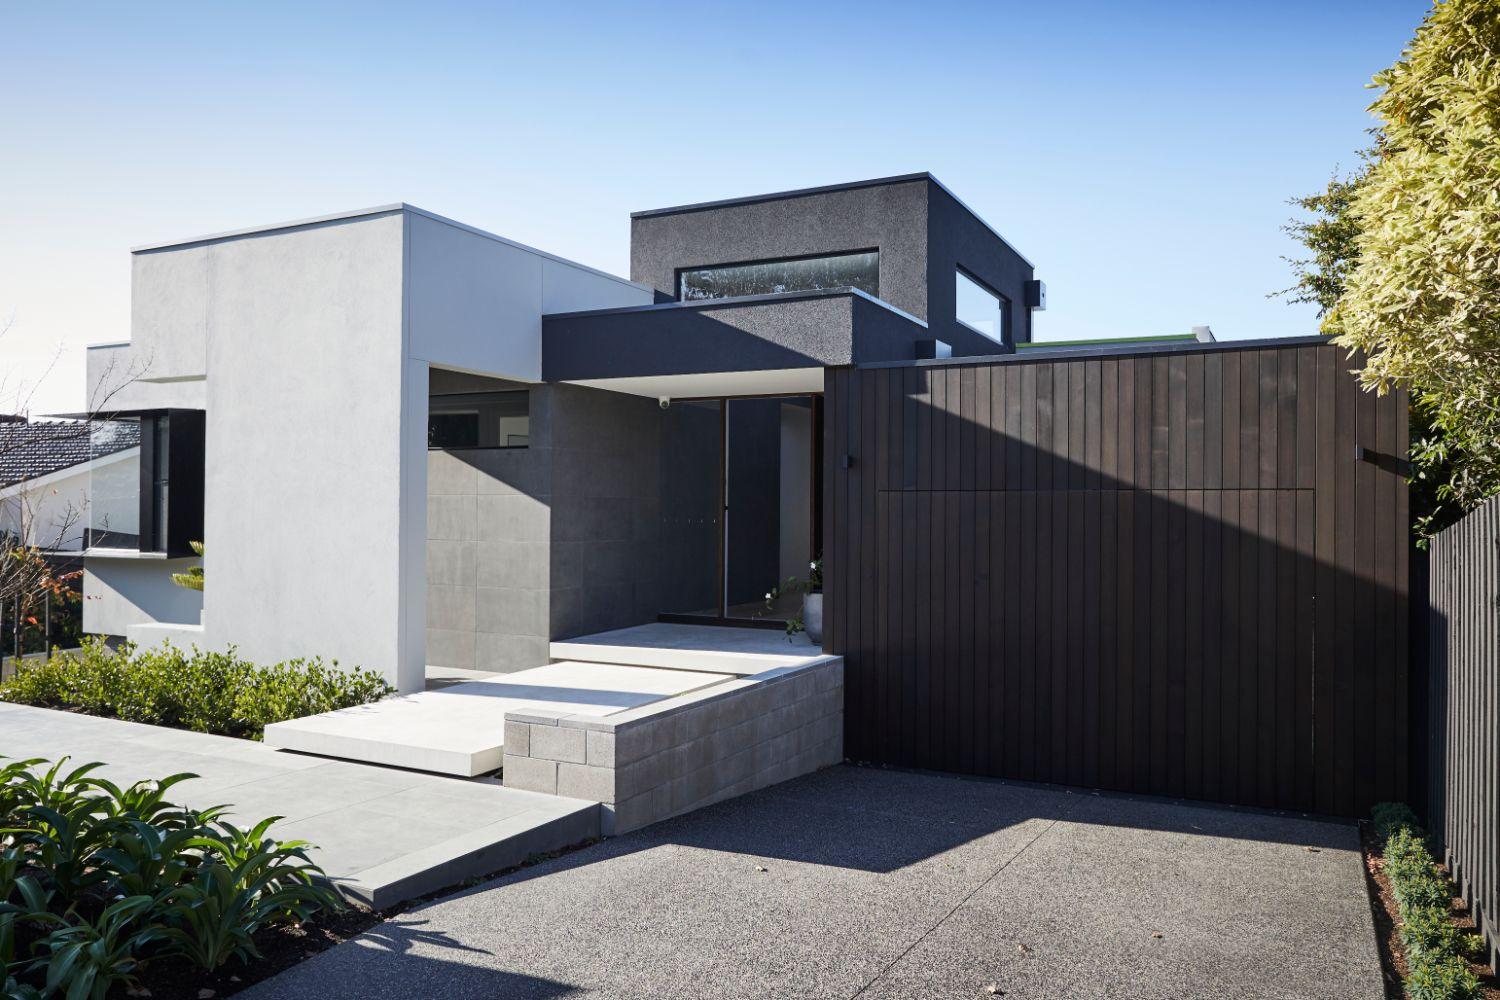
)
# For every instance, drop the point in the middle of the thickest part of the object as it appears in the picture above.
(1166, 573)
(1464, 702)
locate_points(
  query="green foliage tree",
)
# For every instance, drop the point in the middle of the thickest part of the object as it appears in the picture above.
(1405, 255)
(1330, 237)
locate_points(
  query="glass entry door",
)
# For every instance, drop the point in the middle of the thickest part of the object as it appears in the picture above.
(739, 510)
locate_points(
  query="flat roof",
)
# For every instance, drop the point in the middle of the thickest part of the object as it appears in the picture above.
(828, 189)
(360, 213)
(1120, 349)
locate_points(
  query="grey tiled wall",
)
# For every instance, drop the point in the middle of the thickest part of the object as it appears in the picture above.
(488, 566)
(551, 541)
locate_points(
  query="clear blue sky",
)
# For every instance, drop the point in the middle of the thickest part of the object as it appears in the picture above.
(1140, 154)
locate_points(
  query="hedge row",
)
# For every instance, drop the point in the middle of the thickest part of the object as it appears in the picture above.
(1437, 951)
(189, 689)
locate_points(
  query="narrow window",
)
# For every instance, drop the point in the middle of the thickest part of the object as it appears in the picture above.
(730, 281)
(980, 309)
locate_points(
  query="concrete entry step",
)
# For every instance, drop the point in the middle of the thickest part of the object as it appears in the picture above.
(459, 728)
(737, 651)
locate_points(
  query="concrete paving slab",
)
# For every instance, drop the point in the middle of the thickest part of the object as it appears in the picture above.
(382, 835)
(864, 882)
(459, 728)
(739, 651)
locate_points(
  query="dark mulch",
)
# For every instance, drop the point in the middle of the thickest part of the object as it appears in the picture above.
(283, 947)
(1383, 908)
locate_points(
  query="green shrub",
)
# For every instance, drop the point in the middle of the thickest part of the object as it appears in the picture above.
(1436, 949)
(207, 692)
(97, 880)
(1429, 929)
(1441, 977)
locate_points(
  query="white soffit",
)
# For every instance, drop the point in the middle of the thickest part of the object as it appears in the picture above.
(777, 382)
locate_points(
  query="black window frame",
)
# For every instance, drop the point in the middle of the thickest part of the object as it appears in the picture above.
(677, 273)
(526, 391)
(171, 481)
(1002, 299)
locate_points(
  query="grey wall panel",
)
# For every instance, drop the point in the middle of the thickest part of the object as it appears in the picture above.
(892, 218)
(922, 232)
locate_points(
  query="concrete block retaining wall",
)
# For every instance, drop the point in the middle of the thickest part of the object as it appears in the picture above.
(683, 753)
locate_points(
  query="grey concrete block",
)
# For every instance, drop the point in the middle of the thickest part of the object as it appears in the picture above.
(580, 781)
(600, 749)
(632, 742)
(530, 774)
(632, 814)
(642, 775)
(517, 739)
(559, 743)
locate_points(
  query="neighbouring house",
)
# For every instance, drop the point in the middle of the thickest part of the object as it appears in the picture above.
(409, 443)
(46, 471)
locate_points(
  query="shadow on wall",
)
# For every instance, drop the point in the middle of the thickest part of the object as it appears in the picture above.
(1166, 575)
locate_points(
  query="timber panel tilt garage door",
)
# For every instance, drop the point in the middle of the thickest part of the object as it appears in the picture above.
(1170, 572)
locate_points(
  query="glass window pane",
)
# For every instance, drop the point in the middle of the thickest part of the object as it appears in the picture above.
(979, 308)
(850, 270)
(479, 420)
(114, 506)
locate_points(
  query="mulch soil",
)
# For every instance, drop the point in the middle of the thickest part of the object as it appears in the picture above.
(1387, 930)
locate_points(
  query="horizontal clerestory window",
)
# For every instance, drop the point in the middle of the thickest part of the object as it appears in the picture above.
(479, 420)
(729, 281)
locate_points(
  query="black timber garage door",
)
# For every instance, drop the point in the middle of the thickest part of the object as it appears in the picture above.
(1169, 573)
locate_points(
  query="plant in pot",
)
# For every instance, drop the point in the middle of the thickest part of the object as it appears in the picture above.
(810, 620)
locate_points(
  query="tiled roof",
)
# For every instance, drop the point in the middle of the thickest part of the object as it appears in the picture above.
(32, 449)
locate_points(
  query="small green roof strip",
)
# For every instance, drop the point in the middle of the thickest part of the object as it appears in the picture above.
(1105, 340)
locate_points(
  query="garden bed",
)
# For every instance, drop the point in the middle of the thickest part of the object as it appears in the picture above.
(284, 946)
(110, 889)
(1396, 957)
(206, 692)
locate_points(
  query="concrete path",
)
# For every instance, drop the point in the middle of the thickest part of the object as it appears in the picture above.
(385, 835)
(867, 883)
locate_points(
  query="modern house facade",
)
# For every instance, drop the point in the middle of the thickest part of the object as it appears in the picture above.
(1170, 566)
(407, 442)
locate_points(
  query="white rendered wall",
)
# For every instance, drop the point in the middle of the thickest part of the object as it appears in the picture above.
(309, 347)
(121, 593)
(303, 479)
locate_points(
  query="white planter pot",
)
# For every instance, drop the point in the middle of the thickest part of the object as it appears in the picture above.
(812, 616)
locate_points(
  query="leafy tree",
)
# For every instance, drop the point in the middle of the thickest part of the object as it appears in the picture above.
(1330, 236)
(1405, 255)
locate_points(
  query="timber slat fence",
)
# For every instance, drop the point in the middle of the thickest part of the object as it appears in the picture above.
(1179, 573)
(1464, 735)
